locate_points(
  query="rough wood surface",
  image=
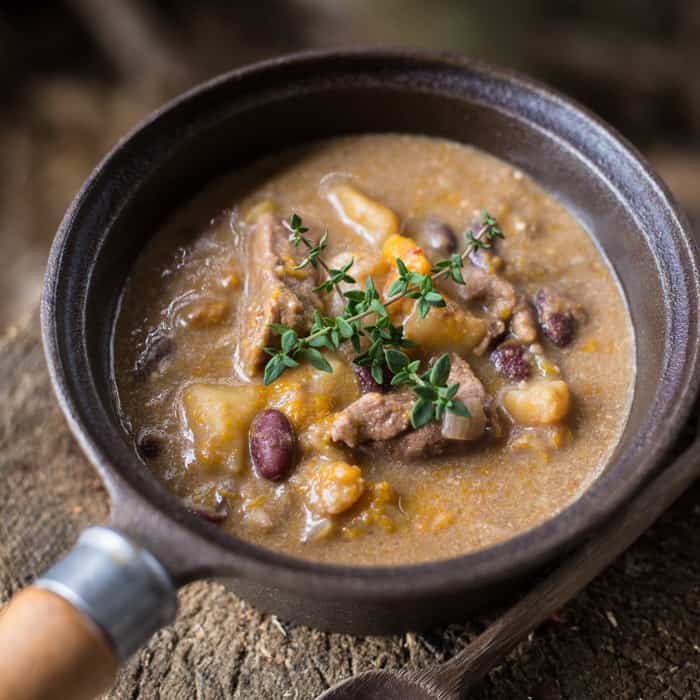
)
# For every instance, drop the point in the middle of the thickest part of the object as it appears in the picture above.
(634, 633)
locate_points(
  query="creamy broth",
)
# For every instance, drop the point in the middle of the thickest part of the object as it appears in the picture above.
(190, 382)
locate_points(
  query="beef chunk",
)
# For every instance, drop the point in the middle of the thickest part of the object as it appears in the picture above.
(429, 441)
(511, 361)
(373, 417)
(557, 316)
(424, 442)
(275, 293)
(384, 421)
(497, 294)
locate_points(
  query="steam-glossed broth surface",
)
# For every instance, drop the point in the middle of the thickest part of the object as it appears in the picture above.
(539, 340)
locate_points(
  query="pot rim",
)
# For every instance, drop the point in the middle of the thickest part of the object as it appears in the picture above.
(230, 555)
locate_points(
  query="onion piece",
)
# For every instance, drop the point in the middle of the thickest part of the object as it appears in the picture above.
(456, 427)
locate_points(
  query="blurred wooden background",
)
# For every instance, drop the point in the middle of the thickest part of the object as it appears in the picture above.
(76, 74)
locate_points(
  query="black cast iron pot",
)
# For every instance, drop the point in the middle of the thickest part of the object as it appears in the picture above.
(258, 110)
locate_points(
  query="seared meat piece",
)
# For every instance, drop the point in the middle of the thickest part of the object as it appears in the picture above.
(275, 293)
(557, 316)
(485, 260)
(511, 361)
(523, 324)
(429, 440)
(497, 294)
(373, 417)
(386, 418)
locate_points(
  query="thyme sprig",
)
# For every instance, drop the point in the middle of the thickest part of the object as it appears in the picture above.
(386, 339)
(435, 396)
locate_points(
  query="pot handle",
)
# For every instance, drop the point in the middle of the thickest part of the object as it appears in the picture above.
(66, 636)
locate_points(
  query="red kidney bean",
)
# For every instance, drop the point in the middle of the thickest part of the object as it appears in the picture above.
(149, 443)
(510, 361)
(559, 328)
(438, 237)
(557, 316)
(272, 444)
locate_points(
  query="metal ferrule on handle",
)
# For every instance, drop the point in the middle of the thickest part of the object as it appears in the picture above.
(120, 586)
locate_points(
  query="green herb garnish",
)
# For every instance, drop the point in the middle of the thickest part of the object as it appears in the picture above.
(386, 339)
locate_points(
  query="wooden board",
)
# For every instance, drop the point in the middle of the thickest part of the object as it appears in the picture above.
(634, 633)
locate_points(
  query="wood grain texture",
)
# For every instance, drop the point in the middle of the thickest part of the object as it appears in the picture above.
(634, 633)
(51, 650)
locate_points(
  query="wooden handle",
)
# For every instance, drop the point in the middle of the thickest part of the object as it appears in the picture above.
(49, 650)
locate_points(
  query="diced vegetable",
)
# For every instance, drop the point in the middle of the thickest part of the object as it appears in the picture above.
(409, 251)
(335, 487)
(218, 417)
(413, 257)
(258, 519)
(448, 328)
(379, 507)
(455, 427)
(365, 262)
(371, 219)
(306, 395)
(540, 403)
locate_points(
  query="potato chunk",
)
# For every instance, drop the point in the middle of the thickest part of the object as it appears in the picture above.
(367, 216)
(365, 263)
(447, 328)
(218, 417)
(307, 395)
(540, 403)
(334, 487)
